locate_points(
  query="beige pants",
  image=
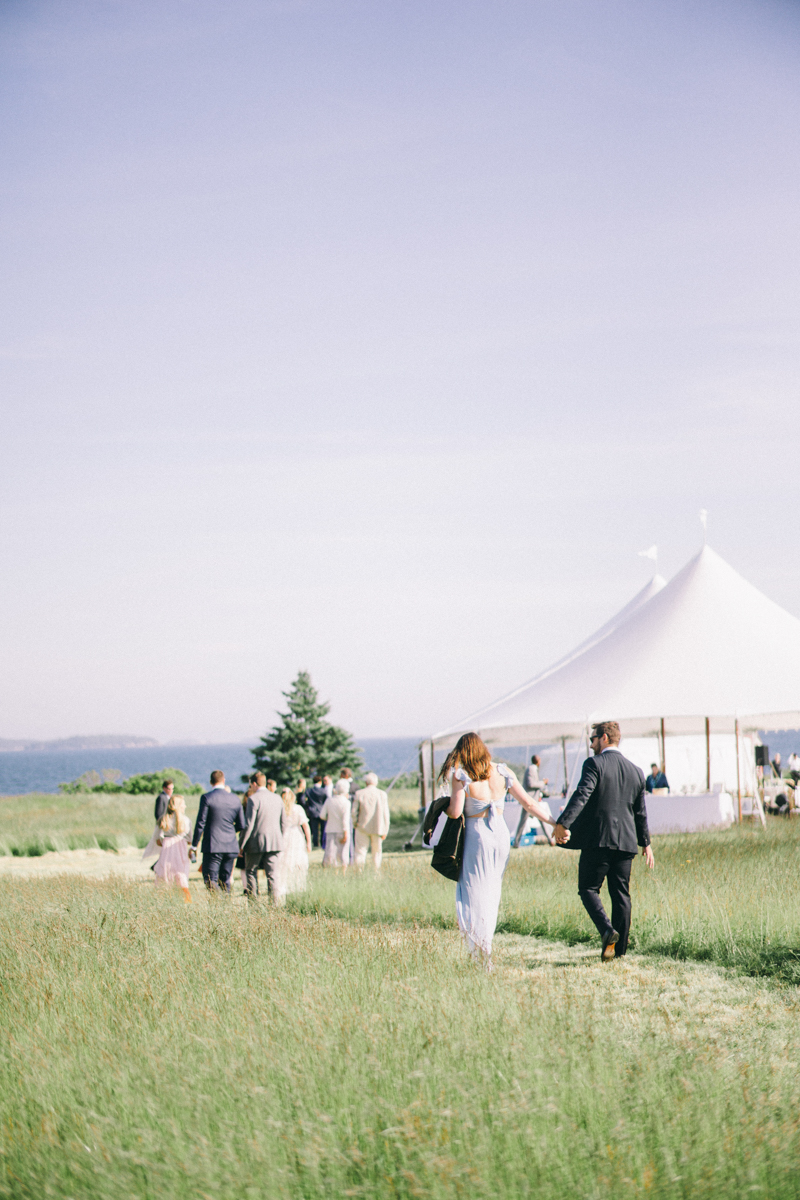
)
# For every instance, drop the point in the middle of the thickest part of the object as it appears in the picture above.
(336, 854)
(363, 843)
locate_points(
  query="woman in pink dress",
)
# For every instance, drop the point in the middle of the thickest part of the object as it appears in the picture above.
(174, 831)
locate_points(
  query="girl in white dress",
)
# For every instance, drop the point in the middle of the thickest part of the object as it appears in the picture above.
(296, 845)
(174, 830)
(478, 790)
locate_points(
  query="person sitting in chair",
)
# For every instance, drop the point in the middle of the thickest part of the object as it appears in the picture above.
(656, 778)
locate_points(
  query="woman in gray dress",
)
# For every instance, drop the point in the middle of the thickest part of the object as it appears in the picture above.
(478, 790)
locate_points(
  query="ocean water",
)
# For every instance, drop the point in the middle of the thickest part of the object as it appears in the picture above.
(21, 771)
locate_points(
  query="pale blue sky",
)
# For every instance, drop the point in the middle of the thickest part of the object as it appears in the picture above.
(375, 339)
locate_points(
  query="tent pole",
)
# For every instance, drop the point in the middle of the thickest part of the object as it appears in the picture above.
(423, 805)
(566, 776)
(708, 755)
(738, 777)
(663, 749)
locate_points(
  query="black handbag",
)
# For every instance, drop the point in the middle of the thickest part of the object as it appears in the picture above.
(448, 853)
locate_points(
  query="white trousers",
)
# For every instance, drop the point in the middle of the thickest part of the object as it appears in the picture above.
(363, 843)
(336, 854)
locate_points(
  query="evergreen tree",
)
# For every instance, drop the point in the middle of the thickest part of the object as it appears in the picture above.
(305, 743)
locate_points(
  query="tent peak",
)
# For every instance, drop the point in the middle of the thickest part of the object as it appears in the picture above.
(707, 645)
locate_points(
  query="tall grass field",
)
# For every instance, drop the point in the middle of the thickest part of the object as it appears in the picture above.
(345, 1046)
(35, 823)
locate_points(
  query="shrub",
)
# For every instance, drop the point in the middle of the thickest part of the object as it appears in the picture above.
(109, 782)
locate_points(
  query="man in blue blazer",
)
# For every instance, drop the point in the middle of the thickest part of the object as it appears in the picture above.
(605, 819)
(219, 818)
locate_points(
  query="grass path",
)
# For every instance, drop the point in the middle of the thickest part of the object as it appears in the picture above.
(152, 1048)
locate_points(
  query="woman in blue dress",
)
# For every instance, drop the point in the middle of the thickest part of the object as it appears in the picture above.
(478, 790)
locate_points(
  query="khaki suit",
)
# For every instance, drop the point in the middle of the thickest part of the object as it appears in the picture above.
(371, 824)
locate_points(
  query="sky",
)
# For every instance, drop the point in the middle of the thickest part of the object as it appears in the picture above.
(375, 339)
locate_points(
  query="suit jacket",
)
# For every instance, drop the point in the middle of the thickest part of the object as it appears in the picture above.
(607, 810)
(266, 822)
(219, 817)
(162, 803)
(371, 811)
(530, 781)
(315, 798)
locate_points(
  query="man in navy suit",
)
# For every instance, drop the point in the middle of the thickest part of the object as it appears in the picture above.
(605, 819)
(219, 818)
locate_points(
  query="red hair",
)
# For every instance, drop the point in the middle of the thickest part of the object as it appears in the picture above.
(471, 753)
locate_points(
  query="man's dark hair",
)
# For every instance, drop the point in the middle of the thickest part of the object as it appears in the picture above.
(610, 729)
(535, 760)
(317, 779)
(168, 783)
(654, 765)
(217, 776)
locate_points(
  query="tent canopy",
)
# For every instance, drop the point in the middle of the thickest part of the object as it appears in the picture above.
(707, 645)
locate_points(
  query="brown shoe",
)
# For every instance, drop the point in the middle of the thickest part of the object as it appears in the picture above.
(610, 940)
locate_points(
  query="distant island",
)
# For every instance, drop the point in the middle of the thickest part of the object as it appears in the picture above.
(101, 741)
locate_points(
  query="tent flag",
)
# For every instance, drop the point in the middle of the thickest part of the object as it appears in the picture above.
(706, 646)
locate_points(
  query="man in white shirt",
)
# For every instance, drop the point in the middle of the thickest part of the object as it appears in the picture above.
(531, 781)
(534, 786)
(794, 767)
(370, 821)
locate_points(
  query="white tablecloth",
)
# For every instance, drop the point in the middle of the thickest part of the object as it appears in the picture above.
(674, 813)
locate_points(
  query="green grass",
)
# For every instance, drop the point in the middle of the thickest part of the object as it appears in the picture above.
(728, 897)
(154, 1049)
(38, 822)
(404, 804)
(35, 823)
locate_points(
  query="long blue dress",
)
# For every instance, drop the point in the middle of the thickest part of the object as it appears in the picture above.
(487, 844)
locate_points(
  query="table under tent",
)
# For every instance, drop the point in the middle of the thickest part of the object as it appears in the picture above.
(692, 670)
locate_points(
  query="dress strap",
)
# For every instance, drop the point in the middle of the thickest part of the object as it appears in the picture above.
(507, 774)
(461, 775)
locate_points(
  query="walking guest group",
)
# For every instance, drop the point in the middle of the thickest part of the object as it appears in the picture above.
(268, 832)
(605, 818)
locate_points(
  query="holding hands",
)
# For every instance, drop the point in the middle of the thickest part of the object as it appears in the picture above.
(561, 834)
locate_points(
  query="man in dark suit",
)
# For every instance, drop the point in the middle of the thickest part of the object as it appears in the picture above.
(219, 817)
(605, 819)
(162, 800)
(314, 800)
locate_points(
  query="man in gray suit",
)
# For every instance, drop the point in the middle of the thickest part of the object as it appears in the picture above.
(219, 817)
(262, 840)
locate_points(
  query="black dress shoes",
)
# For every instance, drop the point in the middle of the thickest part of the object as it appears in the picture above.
(610, 940)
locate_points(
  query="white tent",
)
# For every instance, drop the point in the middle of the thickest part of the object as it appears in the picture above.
(706, 655)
